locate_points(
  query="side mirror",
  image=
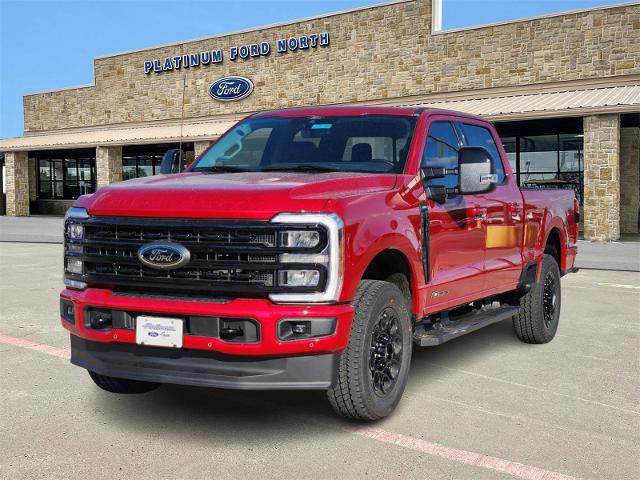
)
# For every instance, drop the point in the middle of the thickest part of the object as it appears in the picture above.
(475, 171)
(172, 162)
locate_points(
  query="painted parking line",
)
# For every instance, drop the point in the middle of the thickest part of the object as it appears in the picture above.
(39, 347)
(430, 448)
(619, 285)
(460, 456)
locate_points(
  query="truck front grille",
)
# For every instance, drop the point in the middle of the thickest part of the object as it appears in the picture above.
(228, 258)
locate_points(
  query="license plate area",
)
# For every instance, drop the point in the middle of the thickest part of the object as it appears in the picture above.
(159, 331)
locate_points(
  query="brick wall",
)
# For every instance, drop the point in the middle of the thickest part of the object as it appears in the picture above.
(17, 178)
(108, 165)
(629, 179)
(375, 53)
(602, 177)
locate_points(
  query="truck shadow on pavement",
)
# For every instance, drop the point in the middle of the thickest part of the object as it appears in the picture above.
(192, 413)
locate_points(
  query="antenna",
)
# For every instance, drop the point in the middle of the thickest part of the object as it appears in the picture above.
(181, 159)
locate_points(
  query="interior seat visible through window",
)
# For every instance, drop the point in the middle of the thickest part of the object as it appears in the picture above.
(361, 152)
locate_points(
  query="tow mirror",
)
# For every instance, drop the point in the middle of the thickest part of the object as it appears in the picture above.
(437, 193)
(172, 162)
(475, 171)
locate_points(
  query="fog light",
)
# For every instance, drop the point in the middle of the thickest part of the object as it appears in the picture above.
(299, 278)
(302, 328)
(74, 266)
(100, 322)
(98, 319)
(75, 231)
(74, 248)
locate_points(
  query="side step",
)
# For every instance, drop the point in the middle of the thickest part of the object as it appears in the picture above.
(432, 336)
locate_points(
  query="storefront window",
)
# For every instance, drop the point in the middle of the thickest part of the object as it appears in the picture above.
(547, 161)
(510, 147)
(142, 165)
(144, 160)
(538, 154)
(65, 175)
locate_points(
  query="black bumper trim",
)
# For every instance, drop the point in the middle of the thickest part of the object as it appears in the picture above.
(203, 368)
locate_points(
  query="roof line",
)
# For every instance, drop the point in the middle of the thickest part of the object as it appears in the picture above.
(535, 17)
(259, 28)
(61, 89)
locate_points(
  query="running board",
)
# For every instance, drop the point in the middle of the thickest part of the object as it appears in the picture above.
(432, 336)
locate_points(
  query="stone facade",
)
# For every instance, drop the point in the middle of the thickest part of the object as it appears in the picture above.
(108, 165)
(200, 147)
(17, 178)
(602, 177)
(33, 180)
(629, 179)
(382, 52)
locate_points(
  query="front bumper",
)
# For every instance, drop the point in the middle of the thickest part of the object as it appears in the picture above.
(263, 311)
(205, 369)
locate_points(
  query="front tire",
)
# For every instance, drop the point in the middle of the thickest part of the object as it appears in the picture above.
(539, 314)
(373, 369)
(121, 385)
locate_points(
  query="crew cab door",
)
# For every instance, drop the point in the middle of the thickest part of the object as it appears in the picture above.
(502, 209)
(455, 236)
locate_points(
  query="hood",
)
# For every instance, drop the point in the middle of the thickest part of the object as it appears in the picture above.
(230, 195)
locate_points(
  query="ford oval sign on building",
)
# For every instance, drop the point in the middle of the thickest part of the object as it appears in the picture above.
(228, 89)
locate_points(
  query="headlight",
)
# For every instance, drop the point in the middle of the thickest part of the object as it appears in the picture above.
(330, 259)
(300, 238)
(299, 278)
(74, 266)
(74, 234)
(75, 231)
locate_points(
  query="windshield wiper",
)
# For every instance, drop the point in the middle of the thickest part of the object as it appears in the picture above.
(299, 168)
(220, 169)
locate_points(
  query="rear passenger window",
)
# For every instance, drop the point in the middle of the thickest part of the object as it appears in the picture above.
(477, 136)
(441, 151)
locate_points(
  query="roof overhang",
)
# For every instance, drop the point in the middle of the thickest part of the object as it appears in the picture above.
(517, 103)
(166, 132)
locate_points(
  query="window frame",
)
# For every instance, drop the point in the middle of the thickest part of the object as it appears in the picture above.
(60, 157)
(498, 144)
(429, 137)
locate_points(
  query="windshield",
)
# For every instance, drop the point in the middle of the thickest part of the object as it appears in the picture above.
(369, 143)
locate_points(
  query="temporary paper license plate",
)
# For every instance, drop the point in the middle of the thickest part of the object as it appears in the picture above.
(159, 331)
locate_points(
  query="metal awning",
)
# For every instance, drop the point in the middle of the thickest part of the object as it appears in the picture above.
(118, 135)
(565, 103)
(578, 102)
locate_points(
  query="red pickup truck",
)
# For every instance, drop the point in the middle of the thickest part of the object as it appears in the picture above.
(311, 249)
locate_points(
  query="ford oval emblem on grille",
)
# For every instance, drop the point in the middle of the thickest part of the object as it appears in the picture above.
(164, 255)
(228, 89)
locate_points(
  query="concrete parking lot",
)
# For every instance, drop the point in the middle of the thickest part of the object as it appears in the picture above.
(481, 407)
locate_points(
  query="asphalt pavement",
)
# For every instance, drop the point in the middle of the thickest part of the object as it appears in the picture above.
(484, 406)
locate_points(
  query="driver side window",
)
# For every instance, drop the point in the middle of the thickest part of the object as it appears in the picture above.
(441, 151)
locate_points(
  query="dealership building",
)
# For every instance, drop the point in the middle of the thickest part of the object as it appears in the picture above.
(562, 89)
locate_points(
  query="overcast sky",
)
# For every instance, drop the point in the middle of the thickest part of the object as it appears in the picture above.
(51, 44)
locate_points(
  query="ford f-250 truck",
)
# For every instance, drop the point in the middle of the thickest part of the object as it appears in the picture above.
(311, 249)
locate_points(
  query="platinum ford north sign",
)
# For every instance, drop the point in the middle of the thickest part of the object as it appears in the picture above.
(244, 52)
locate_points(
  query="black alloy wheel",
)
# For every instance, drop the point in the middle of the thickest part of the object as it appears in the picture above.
(385, 357)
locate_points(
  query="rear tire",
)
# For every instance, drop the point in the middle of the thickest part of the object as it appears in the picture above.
(539, 314)
(373, 369)
(122, 385)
